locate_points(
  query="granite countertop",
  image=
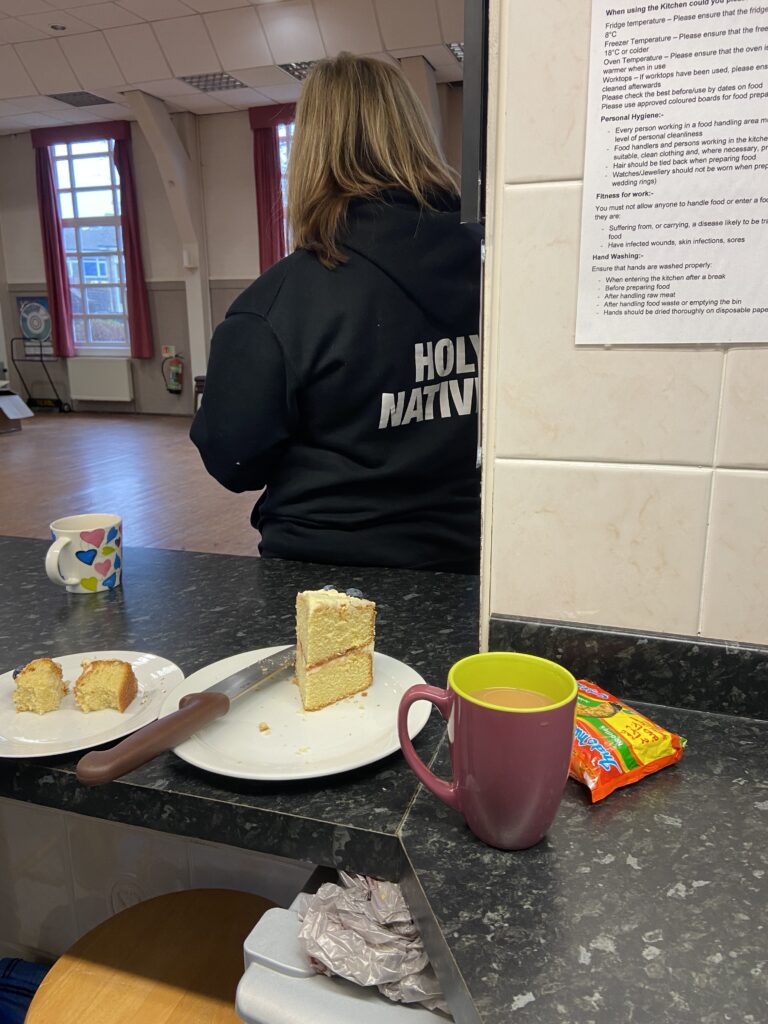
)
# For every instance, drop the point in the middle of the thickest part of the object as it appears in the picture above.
(647, 907)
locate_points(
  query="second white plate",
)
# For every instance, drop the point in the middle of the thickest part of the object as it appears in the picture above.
(68, 729)
(298, 744)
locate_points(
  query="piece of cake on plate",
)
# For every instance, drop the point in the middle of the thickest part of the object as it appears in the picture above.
(334, 646)
(39, 686)
(105, 684)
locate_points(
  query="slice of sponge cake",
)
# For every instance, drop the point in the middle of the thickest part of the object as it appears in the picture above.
(334, 646)
(105, 684)
(39, 687)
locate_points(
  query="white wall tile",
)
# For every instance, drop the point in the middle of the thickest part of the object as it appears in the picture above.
(116, 866)
(238, 38)
(607, 544)
(107, 15)
(292, 31)
(212, 866)
(406, 23)
(138, 53)
(35, 879)
(735, 601)
(548, 58)
(743, 438)
(187, 46)
(562, 402)
(348, 25)
(92, 60)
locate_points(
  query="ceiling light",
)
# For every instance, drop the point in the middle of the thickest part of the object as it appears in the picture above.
(299, 69)
(457, 49)
(213, 82)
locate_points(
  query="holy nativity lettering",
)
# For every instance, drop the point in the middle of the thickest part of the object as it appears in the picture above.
(452, 394)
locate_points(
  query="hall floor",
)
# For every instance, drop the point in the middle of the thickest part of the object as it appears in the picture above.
(143, 468)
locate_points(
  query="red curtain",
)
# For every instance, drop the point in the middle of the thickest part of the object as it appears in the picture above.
(266, 165)
(136, 287)
(56, 277)
(56, 274)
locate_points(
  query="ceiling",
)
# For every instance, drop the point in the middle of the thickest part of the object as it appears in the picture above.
(110, 48)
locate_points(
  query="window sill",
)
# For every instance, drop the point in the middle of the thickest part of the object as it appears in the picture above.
(101, 353)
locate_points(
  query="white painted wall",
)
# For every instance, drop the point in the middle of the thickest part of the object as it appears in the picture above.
(159, 240)
(622, 487)
(19, 220)
(229, 196)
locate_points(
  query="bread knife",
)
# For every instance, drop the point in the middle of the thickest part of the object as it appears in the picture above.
(195, 711)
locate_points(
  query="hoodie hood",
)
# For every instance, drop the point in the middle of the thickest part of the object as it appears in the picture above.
(429, 255)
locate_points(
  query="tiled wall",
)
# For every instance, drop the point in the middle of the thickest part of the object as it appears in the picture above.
(62, 874)
(625, 487)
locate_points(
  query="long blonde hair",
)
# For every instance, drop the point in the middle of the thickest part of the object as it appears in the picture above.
(359, 128)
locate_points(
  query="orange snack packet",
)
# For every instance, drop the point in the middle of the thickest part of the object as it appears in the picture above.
(614, 745)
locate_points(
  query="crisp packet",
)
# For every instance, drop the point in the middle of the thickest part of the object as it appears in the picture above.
(614, 745)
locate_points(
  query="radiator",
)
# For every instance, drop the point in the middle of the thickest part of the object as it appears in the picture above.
(100, 380)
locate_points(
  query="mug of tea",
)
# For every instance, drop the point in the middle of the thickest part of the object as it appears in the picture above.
(86, 556)
(510, 730)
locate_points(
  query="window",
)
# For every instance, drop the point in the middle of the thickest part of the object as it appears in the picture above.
(284, 143)
(88, 192)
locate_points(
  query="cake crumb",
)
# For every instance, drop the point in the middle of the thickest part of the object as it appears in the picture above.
(364, 693)
(263, 727)
(303, 750)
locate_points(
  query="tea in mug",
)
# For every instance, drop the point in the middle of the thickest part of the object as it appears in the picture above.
(512, 697)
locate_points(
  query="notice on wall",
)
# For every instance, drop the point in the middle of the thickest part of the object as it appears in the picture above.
(674, 236)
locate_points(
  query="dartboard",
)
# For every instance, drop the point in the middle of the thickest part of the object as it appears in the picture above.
(35, 321)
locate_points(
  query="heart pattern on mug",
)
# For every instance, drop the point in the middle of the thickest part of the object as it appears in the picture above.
(112, 534)
(89, 583)
(108, 550)
(87, 557)
(118, 563)
(110, 581)
(102, 568)
(94, 537)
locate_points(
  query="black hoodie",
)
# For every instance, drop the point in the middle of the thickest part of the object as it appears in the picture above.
(351, 394)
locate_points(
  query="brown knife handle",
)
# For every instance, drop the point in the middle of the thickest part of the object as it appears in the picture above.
(195, 711)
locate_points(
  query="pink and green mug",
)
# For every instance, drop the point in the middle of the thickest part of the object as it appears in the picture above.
(510, 751)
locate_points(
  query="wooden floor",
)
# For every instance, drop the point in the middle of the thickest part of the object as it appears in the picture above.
(143, 468)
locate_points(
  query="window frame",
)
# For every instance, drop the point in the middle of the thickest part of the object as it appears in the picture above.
(285, 130)
(69, 153)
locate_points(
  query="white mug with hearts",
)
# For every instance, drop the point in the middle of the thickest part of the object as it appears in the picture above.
(86, 556)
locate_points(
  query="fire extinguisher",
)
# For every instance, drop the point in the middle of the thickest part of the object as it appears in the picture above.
(174, 381)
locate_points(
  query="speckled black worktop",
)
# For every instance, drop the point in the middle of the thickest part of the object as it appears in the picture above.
(647, 907)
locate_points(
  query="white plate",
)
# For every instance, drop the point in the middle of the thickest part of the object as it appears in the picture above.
(299, 744)
(66, 730)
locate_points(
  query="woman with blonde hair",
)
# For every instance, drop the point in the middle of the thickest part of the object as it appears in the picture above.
(344, 380)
